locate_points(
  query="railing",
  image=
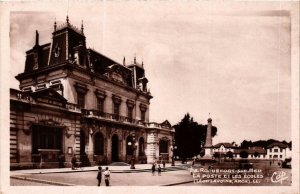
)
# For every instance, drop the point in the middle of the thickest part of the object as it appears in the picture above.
(114, 117)
(19, 95)
(74, 107)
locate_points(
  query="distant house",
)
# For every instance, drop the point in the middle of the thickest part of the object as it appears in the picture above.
(223, 148)
(277, 151)
(253, 153)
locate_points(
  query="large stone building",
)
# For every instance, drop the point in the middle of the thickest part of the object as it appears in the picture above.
(75, 101)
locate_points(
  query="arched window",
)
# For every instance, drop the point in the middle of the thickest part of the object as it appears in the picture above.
(99, 144)
(141, 147)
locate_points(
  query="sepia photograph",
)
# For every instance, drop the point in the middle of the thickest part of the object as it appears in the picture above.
(183, 96)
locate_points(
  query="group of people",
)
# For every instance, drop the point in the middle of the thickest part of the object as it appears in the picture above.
(106, 174)
(158, 168)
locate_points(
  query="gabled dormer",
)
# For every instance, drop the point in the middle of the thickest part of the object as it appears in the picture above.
(36, 58)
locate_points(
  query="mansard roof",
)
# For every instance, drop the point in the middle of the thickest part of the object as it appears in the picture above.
(68, 51)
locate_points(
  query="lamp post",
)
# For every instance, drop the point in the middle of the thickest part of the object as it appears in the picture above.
(133, 145)
(173, 148)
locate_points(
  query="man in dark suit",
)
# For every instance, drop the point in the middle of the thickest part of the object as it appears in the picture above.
(99, 175)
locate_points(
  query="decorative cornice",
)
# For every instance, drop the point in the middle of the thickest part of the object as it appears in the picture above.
(130, 103)
(82, 88)
(143, 107)
(116, 99)
(100, 94)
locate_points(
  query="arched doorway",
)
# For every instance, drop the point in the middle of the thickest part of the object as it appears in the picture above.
(98, 144)
(115, 148)
(163, 146)
(163, 149)
(82, 143)
(141, 147)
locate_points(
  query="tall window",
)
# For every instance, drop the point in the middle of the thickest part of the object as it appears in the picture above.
(116, 101)
(81, 92)
(80, 99)
(100, 96)
(130, 111)
(100, 104)
(130, 105)
(116, 108)
(143, 113)
(143, 109)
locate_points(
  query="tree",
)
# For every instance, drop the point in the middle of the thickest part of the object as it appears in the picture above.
(216, 155)
(244, 154)
(190, 137)
(229, 154)
(246, 144)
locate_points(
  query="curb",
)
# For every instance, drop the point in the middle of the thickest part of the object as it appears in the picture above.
(41, 181)
(180, 183)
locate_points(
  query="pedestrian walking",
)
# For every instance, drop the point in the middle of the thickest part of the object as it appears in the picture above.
(153, 169)
(107, 176)
(73, 162)
(159, 170)
(99, 175)
(270, 163)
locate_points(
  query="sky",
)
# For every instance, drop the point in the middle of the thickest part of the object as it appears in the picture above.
(233, 62)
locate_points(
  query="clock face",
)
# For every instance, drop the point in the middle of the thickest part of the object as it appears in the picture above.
(56, 51)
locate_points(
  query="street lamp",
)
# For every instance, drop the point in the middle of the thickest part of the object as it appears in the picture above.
(133, 145)
(173, 148)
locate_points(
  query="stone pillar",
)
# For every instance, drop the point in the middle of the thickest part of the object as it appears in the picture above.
(123, 156)
(108, 151)
(208, 140)
(90, 149)
(120, 147)
(150, 149)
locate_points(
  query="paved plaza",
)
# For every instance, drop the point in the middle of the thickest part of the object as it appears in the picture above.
(120, 176)
(141, 176)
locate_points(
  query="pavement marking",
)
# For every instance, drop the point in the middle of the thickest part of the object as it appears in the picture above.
(41, 181)
(112, 171)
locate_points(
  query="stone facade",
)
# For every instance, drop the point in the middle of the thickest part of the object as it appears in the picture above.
(76, 101)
